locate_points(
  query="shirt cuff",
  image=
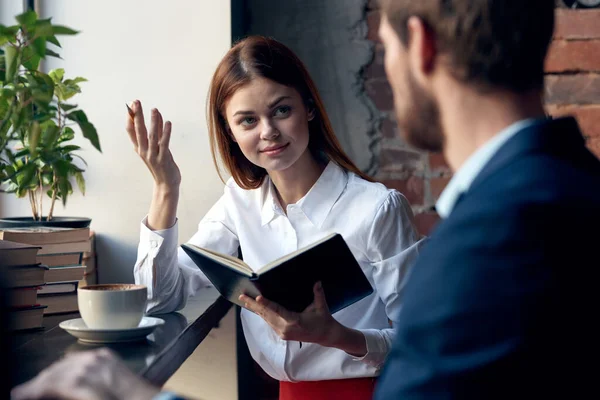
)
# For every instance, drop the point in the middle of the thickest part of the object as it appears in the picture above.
(167, 396)
(148, 236)
(150, 245)
(377, 348)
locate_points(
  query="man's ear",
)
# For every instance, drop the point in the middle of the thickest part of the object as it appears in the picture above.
(422, 49)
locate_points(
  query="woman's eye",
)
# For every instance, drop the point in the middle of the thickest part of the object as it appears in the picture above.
(248, 121)
(282, 111)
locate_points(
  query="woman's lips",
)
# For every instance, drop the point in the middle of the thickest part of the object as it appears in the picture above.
(274, 150)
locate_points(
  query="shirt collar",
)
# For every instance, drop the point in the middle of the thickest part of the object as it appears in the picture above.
(317, 203)
(464, 177)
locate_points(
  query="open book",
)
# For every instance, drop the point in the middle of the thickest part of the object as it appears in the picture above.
(289, 280)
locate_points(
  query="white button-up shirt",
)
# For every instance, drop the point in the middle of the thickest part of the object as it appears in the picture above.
(376, 223)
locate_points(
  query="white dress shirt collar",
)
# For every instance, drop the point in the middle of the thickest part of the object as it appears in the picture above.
(464, 177)
(316, 204)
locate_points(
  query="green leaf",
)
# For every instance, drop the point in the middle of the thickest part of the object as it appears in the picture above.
(27, 19)
(11, 55)
(63, 190)
(31, 60)
(53, 40)
(9, 30)
(75, 81)
(63, 30)
(77, 116)
(22, 153)
(49, 157)
(62, 168)
(39, 46)
(4, 106)
(75, 169)
(49, 135)
(87, 128)
(3, 40)
(70, 148)
(11, 187)
(81, 158)
(42, 87)
(26, 175)
(34, 138)
(8, 92)
(64, 92)
(53, 54)
(10, 171)
(43, 27)
(90, 133)
(68, 134)
(80, 182)
(57, 74)
(67, 107)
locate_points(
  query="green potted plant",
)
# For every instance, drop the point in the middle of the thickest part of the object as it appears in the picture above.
(37, 116)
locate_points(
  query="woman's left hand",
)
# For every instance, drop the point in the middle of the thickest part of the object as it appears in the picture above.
(313, 325)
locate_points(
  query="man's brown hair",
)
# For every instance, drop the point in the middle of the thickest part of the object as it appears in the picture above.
(488, 43)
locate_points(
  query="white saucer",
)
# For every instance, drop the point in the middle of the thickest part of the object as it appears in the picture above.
(77, 328)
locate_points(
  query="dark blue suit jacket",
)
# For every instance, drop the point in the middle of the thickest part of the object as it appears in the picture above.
(502, 302)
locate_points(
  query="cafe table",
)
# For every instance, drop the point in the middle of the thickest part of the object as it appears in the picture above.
(156, 357)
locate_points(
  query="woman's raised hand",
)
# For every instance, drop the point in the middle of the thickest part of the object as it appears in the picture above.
(153, 146)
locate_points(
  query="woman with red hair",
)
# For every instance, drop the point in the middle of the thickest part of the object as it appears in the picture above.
(291, 184)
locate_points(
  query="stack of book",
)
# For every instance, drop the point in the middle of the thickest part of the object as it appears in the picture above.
(24, 276)
(90, 277)
(61, 250)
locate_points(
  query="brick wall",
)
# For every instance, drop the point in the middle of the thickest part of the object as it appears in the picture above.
(572, 87)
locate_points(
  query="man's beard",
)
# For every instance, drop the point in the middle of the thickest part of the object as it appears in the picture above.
(419, 122)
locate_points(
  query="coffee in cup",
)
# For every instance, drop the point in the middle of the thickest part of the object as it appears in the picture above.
(112, 306)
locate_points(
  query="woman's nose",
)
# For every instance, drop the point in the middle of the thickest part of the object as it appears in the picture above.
(269, 131)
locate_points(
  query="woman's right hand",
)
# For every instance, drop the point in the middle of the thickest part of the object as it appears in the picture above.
(153, 147)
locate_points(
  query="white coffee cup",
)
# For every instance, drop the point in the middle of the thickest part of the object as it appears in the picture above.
(114, 306)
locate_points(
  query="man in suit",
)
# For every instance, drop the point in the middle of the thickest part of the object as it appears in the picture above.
(500, 303)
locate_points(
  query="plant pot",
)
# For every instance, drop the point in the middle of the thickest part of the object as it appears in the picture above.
(57, 222)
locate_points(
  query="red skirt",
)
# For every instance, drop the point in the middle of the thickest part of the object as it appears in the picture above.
(337, 389)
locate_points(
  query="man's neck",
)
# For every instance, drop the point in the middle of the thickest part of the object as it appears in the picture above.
(470, 119)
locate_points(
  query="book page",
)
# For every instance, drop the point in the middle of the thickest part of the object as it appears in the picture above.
(283, 259)
(231, 261)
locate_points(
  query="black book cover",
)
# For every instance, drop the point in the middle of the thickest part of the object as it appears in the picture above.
(289, 280)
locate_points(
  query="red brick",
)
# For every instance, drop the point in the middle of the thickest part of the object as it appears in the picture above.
(412, 188)
(577, 24)
(400, 160)
(437, 186)
(389, 129)
(594, 146)
(587, 116)
(373, 18)
(376, 69)
(573, 89)
(381, 93)
(426, 221)
(578, 55)
(437, 162)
